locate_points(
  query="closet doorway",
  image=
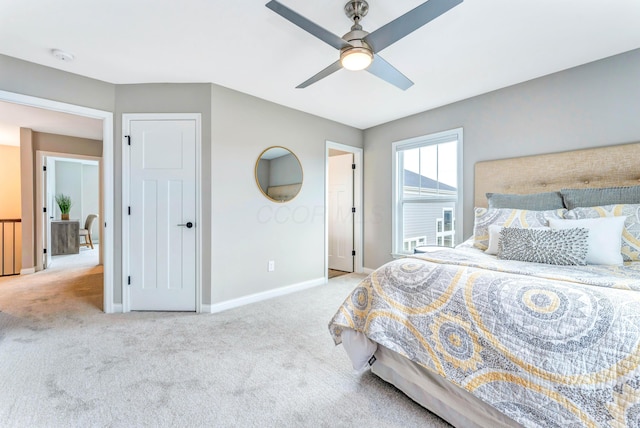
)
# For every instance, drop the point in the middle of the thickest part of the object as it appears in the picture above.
(343, 219)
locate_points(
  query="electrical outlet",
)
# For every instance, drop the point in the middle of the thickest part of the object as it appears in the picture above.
(272, 266)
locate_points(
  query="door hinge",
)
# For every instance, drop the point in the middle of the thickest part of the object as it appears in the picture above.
(353, 252)
(44, 250)
(353, 166)
(44, 209)
(128, 137)
(129, 210)
(128, 280)
(353, 209)
(44, 167)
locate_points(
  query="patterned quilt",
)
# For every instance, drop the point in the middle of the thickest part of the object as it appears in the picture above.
(545, 345)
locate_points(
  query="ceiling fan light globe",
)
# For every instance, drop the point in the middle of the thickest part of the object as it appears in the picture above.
(356, 59)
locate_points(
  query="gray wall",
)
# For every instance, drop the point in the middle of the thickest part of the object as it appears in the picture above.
(285, 170)
(27, 78)
(248, 229)
(593, 105)
(589, 106)
(235, 129)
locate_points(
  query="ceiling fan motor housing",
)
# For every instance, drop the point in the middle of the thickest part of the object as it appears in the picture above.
(358, 47)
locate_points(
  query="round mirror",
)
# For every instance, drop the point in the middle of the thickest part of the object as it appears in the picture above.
(278, 174)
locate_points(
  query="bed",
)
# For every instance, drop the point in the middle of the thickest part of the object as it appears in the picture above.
(542, 331)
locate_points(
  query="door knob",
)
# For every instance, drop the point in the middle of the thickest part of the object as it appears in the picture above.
(188, 225)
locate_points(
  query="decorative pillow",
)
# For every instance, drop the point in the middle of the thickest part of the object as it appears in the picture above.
(533, 202)
(494, 237)
(508, 218)
(553, 247)
(605, 237)
(631, 231)
(574, 198)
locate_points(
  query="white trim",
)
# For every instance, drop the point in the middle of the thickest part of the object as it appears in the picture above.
(126, 121)
(107, 181)
(434, 138)
(27, 271)
(367, 271)
(358, 181)
(117, 308)
(40, 155)
(265, 295)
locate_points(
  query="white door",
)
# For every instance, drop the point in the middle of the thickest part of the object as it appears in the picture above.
(162, 221)
(340, 212)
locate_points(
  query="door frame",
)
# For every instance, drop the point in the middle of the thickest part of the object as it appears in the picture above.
(107, 178)
(358, 224)
(127, 118)
(40, 199)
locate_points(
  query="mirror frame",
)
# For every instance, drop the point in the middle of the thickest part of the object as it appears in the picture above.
(255, 174)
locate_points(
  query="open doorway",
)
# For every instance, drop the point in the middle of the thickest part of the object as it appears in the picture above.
(106, 186)
(343, 224)
(75, 241)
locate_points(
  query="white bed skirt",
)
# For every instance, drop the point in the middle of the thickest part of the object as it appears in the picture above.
(452, 403)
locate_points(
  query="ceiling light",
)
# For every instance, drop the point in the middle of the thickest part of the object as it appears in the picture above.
(62, 55)
(356, 58)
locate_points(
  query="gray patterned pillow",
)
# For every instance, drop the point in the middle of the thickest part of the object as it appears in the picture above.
(553, 247)
(534, 202)
(604, 196)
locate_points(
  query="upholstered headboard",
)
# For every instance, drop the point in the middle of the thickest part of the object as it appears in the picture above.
(599, 167)
(285, 192)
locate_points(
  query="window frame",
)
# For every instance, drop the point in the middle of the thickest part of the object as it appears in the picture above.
(397, 185)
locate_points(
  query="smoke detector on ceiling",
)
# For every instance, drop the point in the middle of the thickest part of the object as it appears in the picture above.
(62, 55)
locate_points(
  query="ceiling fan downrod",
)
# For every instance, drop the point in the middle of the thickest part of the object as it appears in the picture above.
(355, 11)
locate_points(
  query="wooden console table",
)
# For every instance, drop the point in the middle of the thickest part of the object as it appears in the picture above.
(65, 237)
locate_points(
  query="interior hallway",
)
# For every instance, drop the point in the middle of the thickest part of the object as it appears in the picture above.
(72, 283)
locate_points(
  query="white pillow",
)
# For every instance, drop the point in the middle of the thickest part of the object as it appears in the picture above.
(630, 233)
(494, 238)
(605, 237)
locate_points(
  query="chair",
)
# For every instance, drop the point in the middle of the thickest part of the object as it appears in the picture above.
(86, 232)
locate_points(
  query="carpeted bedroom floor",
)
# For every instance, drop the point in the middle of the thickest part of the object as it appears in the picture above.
(64, 363)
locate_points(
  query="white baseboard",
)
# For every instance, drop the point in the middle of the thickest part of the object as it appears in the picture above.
(116, 308)
(205, 309)
(367, 271)
(27, 271)
(270, 294)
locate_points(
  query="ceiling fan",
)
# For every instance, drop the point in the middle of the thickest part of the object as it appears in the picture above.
(358, 48)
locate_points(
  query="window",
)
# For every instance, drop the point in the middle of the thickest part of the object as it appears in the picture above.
(410, 243)
(445, 229)
(427, 174)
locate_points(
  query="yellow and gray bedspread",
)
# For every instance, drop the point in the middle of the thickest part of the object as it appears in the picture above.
(546, 345)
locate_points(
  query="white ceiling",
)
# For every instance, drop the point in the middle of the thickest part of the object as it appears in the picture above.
(16, 116)
(477, 47)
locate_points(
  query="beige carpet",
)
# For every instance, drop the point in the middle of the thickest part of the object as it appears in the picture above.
(332, 273)
(271, 364)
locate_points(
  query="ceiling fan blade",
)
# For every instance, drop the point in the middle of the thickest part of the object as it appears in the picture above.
(310, 27)
(387, 72)
(324, 73)
(407, 23)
